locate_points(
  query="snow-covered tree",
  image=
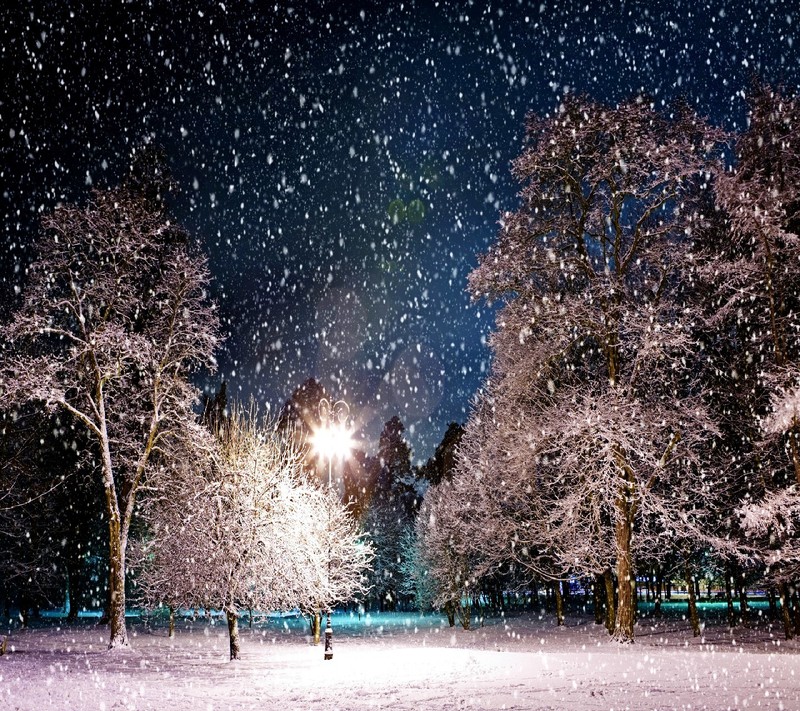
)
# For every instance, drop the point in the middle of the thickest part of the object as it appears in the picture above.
(250, 531)
(114, 319)
(448, 566)
(754, 266)
(592, 385)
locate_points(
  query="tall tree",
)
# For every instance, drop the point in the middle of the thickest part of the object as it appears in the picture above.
(592, 381)
(756, 270)
(115, 318)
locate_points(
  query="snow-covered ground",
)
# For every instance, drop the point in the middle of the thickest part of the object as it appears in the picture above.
(402, 661)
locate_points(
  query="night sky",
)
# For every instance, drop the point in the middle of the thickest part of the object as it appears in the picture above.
(343, 163)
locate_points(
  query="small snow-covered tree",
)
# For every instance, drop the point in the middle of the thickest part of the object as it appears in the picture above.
(448, 566)
(598, 419)
(250, 531)
(115, 317)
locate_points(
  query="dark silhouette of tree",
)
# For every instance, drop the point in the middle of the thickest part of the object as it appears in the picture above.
(360, 477)
(441, 465)
(391, 512)
(299, 417)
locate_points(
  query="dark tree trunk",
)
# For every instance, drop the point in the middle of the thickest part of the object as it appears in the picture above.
(785, 613)
(729, 597)
(118, 634)
(559, 603)
(773, 605)
(694, 618)
(24, 611)
(171, 621)
(450, 611)
(597, 599)
(659, 582)
(464, 613)
(744, 610)
(72, 615)
(611, 612)
(233, 632)
(796, 600)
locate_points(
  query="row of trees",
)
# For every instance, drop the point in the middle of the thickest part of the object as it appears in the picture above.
(644, 397)
(114, 320)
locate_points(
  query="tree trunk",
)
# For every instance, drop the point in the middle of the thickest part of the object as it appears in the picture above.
(785, 615)
(626, 604)
(694, 618)
(773, 605)
(316, 625)
(659, 582)
(796, 600)
(450, 611)
(611, 614)
(116, 581)
(743, 608)
(597, 599)
(559, 603)
(24, 611)
(72, 612)
(729, 597)
(233, 632)
(171, 621)
(464, 614)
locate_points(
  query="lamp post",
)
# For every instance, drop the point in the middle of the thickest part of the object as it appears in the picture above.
(332, 439)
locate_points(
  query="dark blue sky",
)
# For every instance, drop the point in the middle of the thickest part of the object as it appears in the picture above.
(343, 163)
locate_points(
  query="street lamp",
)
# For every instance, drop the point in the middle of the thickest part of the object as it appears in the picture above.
(332, 441)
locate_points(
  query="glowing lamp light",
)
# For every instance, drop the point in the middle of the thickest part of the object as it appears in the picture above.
(332, 441)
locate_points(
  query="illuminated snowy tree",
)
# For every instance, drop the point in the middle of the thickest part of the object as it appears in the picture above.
(115, 318)
(249, 532)
(592, 382)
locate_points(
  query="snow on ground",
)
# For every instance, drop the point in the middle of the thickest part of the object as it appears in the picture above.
(402, 661)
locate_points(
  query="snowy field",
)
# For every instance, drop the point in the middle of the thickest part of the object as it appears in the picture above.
(402, 661)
